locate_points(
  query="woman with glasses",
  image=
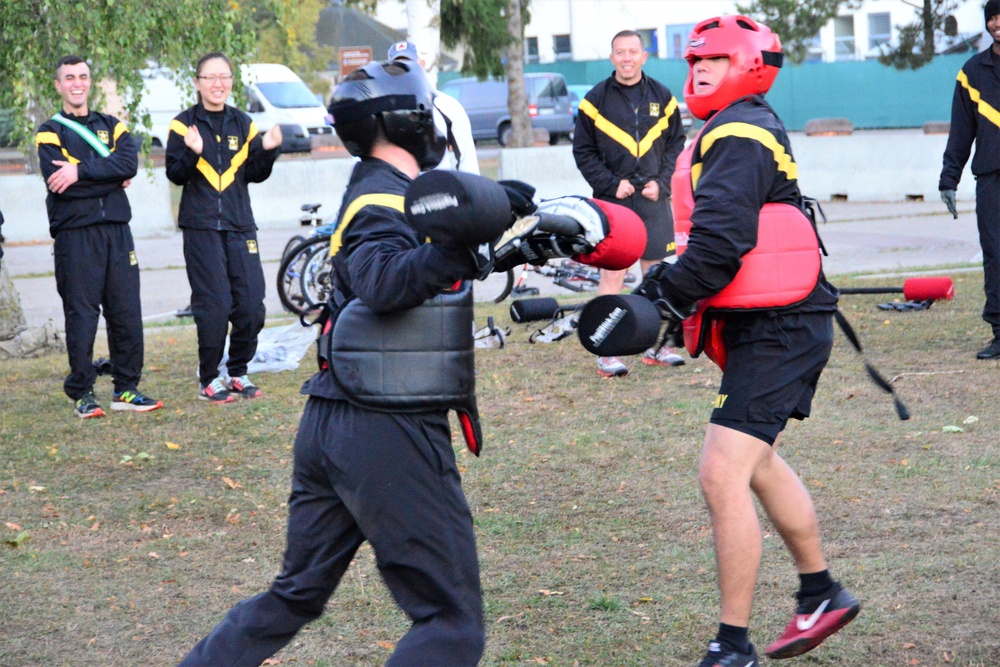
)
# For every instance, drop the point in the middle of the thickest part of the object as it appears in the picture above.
(213, 152)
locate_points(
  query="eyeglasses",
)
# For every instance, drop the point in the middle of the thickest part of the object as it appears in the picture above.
(216, 78)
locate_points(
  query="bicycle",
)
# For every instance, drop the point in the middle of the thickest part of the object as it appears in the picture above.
(306, 277)
(568, 274)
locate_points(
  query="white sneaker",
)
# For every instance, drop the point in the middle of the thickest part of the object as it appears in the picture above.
(665, 356)
(611, 367)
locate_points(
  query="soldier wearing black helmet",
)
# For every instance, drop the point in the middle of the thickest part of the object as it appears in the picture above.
(377, 464)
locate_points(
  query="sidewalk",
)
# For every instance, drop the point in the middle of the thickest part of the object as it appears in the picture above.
(861, 238)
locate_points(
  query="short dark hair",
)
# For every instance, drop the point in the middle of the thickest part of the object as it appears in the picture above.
(69, 60)
(625, 33)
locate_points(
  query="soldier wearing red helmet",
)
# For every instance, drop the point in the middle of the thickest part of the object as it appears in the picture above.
(736, 183)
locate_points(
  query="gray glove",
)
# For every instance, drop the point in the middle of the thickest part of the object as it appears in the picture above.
(948, 197)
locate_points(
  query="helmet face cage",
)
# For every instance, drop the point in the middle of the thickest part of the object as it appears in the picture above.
(395, 96)
(754, 54)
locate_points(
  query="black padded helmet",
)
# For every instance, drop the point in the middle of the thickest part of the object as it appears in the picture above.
(396, 95)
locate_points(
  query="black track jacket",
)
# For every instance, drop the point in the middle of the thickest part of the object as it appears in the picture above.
(975, 116)
(742, 160)
(98, 196)
(215, 183)
(614, 141)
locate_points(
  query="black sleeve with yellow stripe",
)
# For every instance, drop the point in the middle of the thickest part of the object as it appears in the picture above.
(742, 161)
(975, 117)
(181, 162)
(97, 175)
(379, 256)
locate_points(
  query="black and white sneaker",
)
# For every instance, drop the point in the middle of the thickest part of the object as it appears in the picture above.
(719, 657)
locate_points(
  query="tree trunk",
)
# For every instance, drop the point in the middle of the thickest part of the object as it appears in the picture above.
(517, 99)
(11, 314)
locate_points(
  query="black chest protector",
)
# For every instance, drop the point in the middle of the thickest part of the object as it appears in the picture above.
(415, 360)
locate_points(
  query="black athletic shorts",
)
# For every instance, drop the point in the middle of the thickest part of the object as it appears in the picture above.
(773, 364)
(659, 223)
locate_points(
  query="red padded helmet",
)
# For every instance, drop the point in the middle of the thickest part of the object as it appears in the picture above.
(754, 54)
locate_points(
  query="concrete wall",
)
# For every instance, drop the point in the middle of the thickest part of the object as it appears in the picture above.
(887, 165)
(276, 202)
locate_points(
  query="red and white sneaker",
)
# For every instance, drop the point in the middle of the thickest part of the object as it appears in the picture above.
(243, 387)
(816, 618)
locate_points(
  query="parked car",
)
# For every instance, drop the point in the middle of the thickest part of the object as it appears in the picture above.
(486, 104)
(578, 92)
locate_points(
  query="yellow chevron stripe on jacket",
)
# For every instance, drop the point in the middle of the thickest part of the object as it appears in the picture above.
(52, 139)
(120, 129)
(220, 181)
(636, 148)
(982, 106)
(394, 202)
(746, 131)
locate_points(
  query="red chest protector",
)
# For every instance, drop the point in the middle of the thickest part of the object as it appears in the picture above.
(782, 269)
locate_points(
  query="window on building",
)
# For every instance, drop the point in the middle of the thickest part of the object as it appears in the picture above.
(879, 29)
(562, 46)
(650, 42)
(676, 39)
(531, 49)
(843, 37)
(814, 49)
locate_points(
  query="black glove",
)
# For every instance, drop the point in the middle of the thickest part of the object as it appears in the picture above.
(948, 197)
(520, 195)
(652, 288)
(485, 259)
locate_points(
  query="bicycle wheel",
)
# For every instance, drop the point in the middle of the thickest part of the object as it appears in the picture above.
(290, 273)
(316, 281)
(495, 288)
(292, 243)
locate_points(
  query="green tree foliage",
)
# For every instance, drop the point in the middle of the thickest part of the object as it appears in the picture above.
(481, 26)
(916, 40)
(119, 38)
(286, 34)
(492, 32)
(795, 21)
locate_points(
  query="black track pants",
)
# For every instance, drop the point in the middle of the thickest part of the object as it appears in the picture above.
(96, 269)
(227, 285)
(390, 479)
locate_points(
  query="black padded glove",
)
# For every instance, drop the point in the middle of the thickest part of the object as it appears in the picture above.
(652, 288)
(520, 195)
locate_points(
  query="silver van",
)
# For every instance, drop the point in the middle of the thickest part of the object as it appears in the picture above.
(486, 104)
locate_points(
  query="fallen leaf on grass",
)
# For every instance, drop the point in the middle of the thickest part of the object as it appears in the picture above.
(952, 429)
(12, 526)
(387, 645)
(173, 445)
(36, 489)
(548, 592)
(231, 484)
(20, 539)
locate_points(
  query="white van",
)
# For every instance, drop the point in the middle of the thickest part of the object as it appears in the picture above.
(275, 96)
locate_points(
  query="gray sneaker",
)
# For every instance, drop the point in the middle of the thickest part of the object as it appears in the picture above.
(611, 367)
(665, 356)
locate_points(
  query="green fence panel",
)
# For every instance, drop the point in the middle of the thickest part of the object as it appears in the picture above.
(868, 93)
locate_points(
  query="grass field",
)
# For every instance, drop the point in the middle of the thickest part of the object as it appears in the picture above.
(125, 539)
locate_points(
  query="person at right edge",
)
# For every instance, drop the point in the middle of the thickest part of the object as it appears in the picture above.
(737, 180)
(371, 461)
(627, 138)
(975, 118)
